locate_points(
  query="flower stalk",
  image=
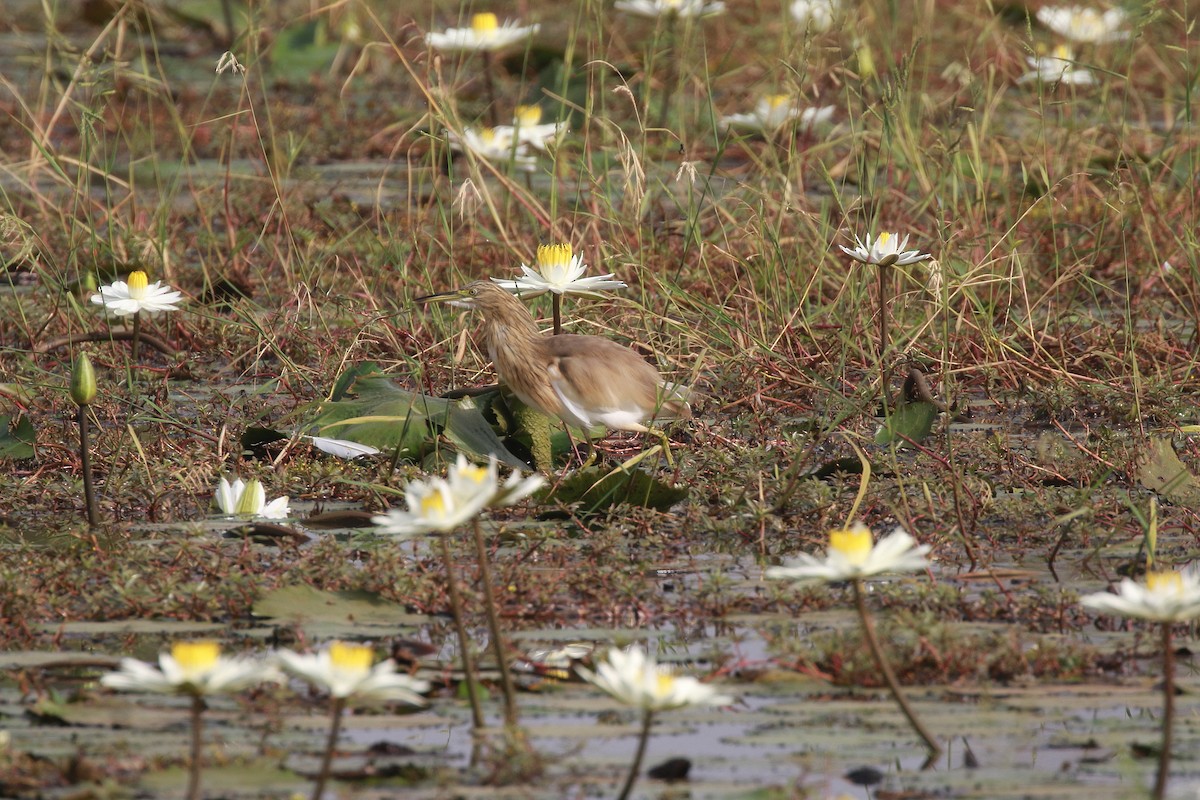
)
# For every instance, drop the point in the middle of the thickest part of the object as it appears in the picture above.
(489, 88)
(197, 728)
(464, 643)
(338, 706)
(636, 766)
(1168, 716)
(889, 675)
(493, 618)
(885, 328)
(136, 341)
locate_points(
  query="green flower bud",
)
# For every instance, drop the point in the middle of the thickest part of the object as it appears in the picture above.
(83, 380)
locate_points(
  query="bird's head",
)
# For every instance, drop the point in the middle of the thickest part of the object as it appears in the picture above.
(483, 296)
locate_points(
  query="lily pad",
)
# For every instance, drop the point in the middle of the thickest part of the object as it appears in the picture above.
(17, 437)
(1161, 471)
(105, 712)
(343, 612)
(597, 488)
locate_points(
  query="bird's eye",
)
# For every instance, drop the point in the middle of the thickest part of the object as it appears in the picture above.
(474, 292)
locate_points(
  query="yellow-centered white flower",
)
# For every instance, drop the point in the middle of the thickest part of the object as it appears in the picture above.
(1083, 24)
(248, 499)
(1164, 597)
(439, 505)
(346, 672)
(486, 33)
(774, 111)
(853, 554)
(194, 668)
(815, 15)
(560, 271)
(137, 294)
(497, 145)
(1058, 67)
(679, 8)
(528, 128)
(887, 249)
(632, 677)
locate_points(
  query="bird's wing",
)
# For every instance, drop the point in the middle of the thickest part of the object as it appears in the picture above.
(601, 382)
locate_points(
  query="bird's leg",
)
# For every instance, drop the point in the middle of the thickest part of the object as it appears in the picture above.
(587, 442)
(666, 444)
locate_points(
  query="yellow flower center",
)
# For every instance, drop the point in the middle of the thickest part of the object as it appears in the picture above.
(484, 24)
(1164, 582)
(194, 657)
(527, 115)
(777, 101)
(487, 136)
(137, 284)
(433, 505)
(883, 239)
(854, 543)
(665, 682)
(474, 473)
(1062, 52)
(553, 256)
(351, 657)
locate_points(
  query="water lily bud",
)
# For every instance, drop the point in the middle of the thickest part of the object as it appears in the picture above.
(83, 381)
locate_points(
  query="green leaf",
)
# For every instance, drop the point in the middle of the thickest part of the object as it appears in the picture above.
(372, 410)
(596, 488)
(1161, 471)
(345, 614)
(255, 438)
(911, 420)
(16, 437)
(345, 381)
(471, 433)
(302, 49)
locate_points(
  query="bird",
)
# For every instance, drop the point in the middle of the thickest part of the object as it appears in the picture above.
(583, 380)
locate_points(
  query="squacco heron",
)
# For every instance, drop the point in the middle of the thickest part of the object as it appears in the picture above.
(585, 381)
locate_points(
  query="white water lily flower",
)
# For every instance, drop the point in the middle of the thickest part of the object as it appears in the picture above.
(528, 128)
(248, 499)
(345, 671)
(1165, 597)
(123, 299)
(485, 34)
(466, 480)
(816, 15)
(439, 505)
(561, 272)
(517, 488)
(774, 111)
(633, 678)
(1058, 67)
(194, 668)
(853, 555)
(432, 508)
(680, 8)
(493, 144)
(1083, 24)
(887, 249)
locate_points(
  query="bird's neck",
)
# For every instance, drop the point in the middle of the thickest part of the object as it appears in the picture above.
(508, 339)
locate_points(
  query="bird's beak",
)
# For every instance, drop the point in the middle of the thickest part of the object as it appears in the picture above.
(456, 298)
